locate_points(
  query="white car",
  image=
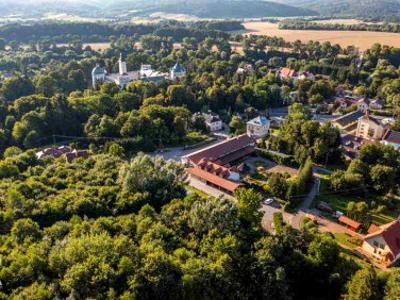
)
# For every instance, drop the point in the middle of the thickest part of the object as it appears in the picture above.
(268, 201)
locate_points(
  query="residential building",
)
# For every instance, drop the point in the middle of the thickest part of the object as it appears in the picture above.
(348, 122)
(391, 138)
(213, 122)
(363, 104)
(287, 73)
(351, 144)
(369, 127)
(71, 156)
(245, 69)
(383, 243)
(306, 75)
(177, 71)
(258, 127)
(377, 104)
(344, 102)
(53, 151)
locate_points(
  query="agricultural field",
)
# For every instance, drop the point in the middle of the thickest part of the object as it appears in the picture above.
(361, 39)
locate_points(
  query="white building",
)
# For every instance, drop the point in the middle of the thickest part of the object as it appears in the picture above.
(258, 127)
(213, 122)
(123, 77)
(98, 75)
(177, 71)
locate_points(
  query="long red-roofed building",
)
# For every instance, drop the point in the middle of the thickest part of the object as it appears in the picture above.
(214, 165)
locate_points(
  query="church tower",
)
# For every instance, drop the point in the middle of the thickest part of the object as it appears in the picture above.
(122, 66)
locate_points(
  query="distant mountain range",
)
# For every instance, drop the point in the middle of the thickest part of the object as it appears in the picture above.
(359, 8)
(114, 8)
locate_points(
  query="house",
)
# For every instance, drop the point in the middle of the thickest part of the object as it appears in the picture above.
(348, 122)
(53, 152)
(351, 144)
(369, 127)
(177, 71)
(245, 69)
(349, 223)
(363, 104)
(276, 122)
(215, 165)
(383, 243)
(258, 127)
(306, 75)
(71, 156)
(287, 73)
(344, 102)
(377, 104)
(341, 91)
(213, 122)
(391, 138)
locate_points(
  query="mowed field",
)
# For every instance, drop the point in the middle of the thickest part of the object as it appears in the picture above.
(361, 39)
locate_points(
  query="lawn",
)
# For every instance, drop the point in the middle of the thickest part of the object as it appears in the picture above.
(345, 240)
(339, 201)
(192, 189)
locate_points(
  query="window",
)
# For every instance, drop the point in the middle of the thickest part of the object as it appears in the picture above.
(371, 132)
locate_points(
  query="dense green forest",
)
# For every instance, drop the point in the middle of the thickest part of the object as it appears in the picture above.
(120, 224)
(309, 25)
(104, 228)
(356, 8)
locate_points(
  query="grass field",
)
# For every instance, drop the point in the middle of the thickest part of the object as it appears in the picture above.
(339, 202)
(361, 39)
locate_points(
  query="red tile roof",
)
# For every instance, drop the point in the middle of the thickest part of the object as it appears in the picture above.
(286, 72)
(373, 228)
(391, 234)
(350, 222)
(392, 136)
(214, 179)
(226, 151)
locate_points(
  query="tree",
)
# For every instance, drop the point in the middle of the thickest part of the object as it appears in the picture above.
(363, 285)
(24, 229)
(249, 203)
(383, 178)
(237, 125)
(392, 288)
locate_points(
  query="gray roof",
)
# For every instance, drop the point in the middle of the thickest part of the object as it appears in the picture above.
(349, 118)
(97, 70)
(178, 68)
(260, 120)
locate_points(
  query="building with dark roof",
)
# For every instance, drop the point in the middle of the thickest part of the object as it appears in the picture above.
(351, 144)
(348, 121)
(383, 243)
(391, 138)
(177, 71)
(215, 165)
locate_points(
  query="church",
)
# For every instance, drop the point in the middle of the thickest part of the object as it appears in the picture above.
(123, 77)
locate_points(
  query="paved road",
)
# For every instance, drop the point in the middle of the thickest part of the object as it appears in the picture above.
(178, 152)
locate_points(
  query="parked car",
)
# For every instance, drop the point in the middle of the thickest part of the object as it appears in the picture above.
(268, 201)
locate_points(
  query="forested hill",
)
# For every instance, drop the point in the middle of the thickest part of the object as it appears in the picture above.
(360, 8)
(230, 9)
(129, 8)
